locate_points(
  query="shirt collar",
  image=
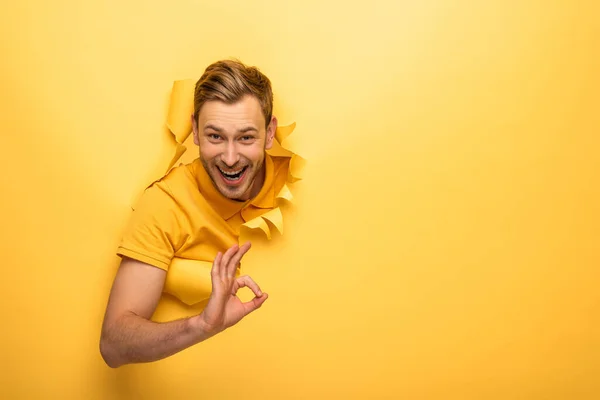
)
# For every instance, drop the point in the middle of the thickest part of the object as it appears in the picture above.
(227, 208)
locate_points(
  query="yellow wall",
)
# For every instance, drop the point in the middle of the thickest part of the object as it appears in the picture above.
(445, 243)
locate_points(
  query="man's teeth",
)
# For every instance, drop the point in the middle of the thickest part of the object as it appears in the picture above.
(234, 174)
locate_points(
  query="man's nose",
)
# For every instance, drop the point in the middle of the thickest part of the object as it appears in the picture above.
(230, 156)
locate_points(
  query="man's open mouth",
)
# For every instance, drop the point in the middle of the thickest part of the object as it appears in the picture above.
(233, 175)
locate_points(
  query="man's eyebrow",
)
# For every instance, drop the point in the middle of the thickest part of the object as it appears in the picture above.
(248, 129)
(213, 127)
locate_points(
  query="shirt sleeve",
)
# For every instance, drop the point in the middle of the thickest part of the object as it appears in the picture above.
(153, 231)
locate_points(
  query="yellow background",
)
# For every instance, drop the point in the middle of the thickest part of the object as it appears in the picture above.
(446, 239)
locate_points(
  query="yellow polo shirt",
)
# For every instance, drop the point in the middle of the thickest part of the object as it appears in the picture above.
(182, 221)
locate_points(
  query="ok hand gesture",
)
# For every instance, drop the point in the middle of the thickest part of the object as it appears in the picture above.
(224, 308)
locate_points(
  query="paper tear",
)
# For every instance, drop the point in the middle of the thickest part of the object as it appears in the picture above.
(179, 124)
(179, 116)
(278, 151)
(258, 223)
(295, 168)
(178, 153)
(283, 132)
(285, 194)
(181, 108)
(275, 217)
(297, 165)
(190, 280)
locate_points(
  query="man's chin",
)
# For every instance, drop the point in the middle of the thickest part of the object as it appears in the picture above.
(231, 193)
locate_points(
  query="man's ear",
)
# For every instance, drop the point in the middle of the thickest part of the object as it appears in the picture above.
(271, 129)
(195, 130)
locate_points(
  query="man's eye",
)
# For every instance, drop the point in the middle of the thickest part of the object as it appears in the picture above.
(214, 136)
(247, 138)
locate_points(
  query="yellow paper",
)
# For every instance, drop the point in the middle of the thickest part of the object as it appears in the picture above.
(275, 217)
(297, 165)
(284, 131)
(189, 280)
(277, 150)
(258, 223)
(181, 109)
(285, 194)
(462, 136)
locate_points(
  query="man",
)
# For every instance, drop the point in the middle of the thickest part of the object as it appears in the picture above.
(195, 212)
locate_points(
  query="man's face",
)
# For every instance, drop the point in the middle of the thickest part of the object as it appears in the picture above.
(232, 140)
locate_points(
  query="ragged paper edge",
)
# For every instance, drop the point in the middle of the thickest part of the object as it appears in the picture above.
(189, 280)
(179, 124)
(296, 166)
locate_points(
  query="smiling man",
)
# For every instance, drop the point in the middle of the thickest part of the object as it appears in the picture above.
(195, 213)
(232, 144)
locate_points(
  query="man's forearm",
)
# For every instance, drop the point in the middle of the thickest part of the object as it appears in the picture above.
(133, 339)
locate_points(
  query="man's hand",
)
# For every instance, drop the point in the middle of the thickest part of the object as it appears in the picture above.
(224, 308)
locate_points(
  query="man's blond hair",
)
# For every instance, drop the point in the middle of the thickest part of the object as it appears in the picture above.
(230, 80)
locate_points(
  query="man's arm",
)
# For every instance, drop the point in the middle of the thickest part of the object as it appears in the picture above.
(128, 335)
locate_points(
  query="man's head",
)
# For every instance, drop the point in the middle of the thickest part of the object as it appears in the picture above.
(233, 126)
